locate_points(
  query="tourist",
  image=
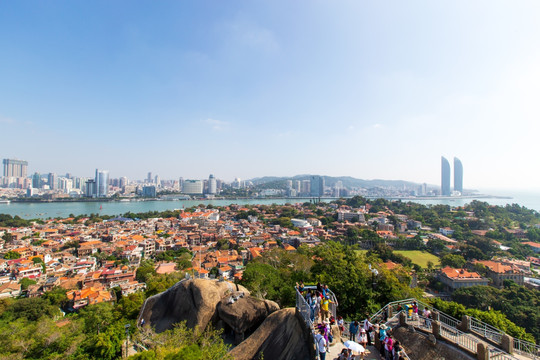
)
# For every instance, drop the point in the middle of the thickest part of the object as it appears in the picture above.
(368, 327)
(382, 336)
(327, 335)
(321, 344)
(362, 338)
(406, 308)
(397, 350)
(389, 347)
(325, 308)
(353, 330)
(427, 317)
(341, 325)
(300, 287)
(346, 354)
(415, 311)
(313, 307)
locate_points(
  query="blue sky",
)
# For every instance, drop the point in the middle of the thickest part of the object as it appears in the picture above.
(244, 89)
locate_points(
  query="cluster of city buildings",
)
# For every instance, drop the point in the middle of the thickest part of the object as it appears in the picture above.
(17, 182)
(90, 259)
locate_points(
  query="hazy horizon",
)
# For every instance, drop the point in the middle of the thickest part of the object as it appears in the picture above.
(249, 89)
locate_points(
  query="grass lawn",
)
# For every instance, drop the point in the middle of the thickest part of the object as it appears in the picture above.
(419, 257)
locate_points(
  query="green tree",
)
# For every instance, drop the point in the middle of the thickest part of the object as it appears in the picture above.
(25, 282)
(453, 260)
(10, 255)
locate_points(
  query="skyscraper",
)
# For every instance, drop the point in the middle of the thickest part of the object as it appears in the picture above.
(316, 186)
(212, 185)
(36, 181)
(53, 181)
(15, 168)
(445, 177)
(102, 183)
(458, 175)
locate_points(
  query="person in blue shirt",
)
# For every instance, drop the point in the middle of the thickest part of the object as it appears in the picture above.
(353, 330)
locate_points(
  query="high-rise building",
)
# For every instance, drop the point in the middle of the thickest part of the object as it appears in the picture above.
(458, 175)
(149, 191)
(53, 181)
(305, 187)
(36, 181)
(297, 185)
(90, 188)
(123, 181)
(149, 178)
(445, 177)
(181, 184)
(193, 187)
(102, 183)
(15, 168)
(212, 185)
(157, 180)
(316, 186)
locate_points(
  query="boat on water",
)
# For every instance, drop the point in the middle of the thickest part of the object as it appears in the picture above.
(5, 201)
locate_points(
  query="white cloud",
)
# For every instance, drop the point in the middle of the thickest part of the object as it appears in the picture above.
(6, 120)
(217, 125)
(246, 33)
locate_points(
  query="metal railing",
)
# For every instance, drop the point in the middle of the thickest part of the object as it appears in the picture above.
(527, 348)
(390, 323)
(486, 330)
(305, 311)
(498, 354)
(333, 304)
(459, 337)
(449, 325)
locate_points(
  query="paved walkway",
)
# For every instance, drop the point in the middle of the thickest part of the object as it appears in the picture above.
(337, 346)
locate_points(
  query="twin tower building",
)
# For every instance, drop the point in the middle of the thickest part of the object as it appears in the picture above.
(445, 176)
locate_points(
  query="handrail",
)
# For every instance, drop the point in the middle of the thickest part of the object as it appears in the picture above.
(528, 348)
(305, 311)
(449, 326)
(388, 323)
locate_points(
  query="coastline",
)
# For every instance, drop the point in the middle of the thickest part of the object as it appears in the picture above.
(323, 198)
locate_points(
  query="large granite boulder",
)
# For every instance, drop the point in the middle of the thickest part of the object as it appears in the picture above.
(281, 336)
(193, 301)
(244, 313)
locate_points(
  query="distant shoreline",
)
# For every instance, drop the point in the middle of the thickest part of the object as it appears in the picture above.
(404, 198)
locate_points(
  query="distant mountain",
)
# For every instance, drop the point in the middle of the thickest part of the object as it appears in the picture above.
(347, 181)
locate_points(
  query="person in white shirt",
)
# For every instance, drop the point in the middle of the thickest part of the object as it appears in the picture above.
(321, 344)
(367, 326)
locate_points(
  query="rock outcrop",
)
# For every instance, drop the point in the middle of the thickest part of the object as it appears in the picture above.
(279, 337)
(194, 301)
(245, 313)
(418, 346)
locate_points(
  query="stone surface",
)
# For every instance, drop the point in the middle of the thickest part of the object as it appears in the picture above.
(279, 337)
(245, 312)
(419, 347)
(193, 301)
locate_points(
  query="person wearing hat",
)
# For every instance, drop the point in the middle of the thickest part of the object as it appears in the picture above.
(362, 338)
(382, 336)
(325, 308)
(368, 326)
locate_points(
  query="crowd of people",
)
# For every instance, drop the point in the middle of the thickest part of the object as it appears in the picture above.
(362, 332)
